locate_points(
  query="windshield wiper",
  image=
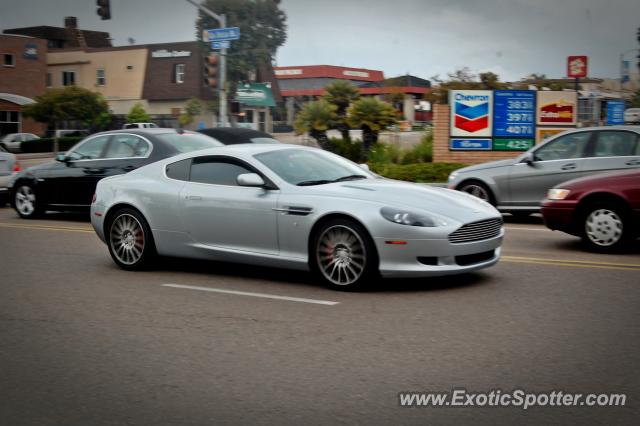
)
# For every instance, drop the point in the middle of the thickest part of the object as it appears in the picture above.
(313, 182)
(350, 177)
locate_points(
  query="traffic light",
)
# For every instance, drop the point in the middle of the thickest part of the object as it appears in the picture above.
(104, 9)
(211, 71)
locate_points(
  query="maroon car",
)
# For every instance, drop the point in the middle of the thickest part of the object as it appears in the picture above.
(603, 209)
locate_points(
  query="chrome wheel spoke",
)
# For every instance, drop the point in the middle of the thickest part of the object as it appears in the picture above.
(341, 255)
(127, 239)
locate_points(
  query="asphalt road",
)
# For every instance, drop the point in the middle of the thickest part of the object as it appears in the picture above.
(85, 343)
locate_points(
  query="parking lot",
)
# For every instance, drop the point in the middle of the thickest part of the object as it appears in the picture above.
(192, 343)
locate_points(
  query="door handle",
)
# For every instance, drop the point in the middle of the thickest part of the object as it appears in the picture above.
(569, 166)
(95, 170)
(128, 168)
(633, 162)
(193, 197)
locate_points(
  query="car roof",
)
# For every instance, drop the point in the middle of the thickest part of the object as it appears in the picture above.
(234, 134)
(143, 131)
(240, 150)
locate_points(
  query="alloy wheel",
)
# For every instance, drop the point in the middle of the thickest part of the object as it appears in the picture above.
(25, 200)
(477, 191)
(127, 239)
(341, 255)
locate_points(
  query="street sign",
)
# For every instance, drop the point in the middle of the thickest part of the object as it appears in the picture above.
(512, 144)
(217, 45)
(471, 113)
(576, 66)
(222, 34)
(514, 113)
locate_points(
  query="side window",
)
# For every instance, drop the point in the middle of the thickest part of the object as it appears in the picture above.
(564, 147)
(125, 146)
(89, 150)
(216, 171)
(615, 144)
(179, 170)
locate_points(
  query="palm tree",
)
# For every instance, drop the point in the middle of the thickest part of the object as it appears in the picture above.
(372, 116)
(341, 93)
(316, 118)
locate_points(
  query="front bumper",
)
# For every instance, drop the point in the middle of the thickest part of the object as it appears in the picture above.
(559, 216)
(434, 257)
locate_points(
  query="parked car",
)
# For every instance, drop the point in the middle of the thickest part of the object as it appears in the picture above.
(68, 183)
(9, 166)
(70, 133)
(140, 126)
(236, 135)
(295, 207)
(632, 116)
(519, 185)
(604, 210)
(12, 141)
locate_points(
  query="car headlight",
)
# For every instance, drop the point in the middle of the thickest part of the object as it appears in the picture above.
(405, 217)
(452, 176)
(557, 194)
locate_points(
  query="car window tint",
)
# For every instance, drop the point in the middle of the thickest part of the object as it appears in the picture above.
(564, 147)
(188, 141)
(90, 149)
(218, 172)
(615, 144)
(125, 146)
(179, 170)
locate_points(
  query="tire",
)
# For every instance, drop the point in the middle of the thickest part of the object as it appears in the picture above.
(26, 202)
(606, 227)
(343, 256)
(130, 240)
(478, 189)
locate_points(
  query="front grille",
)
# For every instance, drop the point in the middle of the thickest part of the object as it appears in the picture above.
(470, 259)
(476, 231)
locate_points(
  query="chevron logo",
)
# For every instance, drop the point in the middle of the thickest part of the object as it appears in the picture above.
(471, 118)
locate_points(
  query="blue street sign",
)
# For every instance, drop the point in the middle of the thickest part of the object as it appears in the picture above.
(217, 45)
(615, 113)
(470, 145)
(222, 34)
(514, 113)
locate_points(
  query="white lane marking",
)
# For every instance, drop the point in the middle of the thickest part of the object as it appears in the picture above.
(245, 293)
(517, 228)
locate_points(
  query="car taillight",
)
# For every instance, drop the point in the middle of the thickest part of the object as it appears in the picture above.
(93, 200)
(16, 167)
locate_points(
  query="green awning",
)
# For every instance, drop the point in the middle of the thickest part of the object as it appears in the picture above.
(255, 94)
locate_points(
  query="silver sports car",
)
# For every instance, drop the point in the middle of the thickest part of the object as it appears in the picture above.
(293, 207)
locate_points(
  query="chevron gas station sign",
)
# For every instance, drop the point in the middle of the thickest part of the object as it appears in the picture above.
(471, 113)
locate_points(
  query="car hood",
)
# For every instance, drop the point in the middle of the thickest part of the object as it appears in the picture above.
(489, 165)
(386, 192)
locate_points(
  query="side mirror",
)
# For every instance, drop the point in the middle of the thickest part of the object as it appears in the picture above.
(250, 179)
(528, 158)
(364, 166)
(62, 158)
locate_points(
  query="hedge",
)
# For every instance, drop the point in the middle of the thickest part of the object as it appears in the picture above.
(46, 144)
(419, 172)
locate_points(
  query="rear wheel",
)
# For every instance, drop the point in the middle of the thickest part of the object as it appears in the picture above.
(479, 190)
(606, 227)
(25, 200)
(130, 241)
(344, 255)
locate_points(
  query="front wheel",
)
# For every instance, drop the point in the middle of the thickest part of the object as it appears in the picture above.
(344, 256)
(25, 201)
(479, 190)
(130, 241)
(606, 228)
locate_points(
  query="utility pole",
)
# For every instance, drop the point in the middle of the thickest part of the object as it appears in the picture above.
(222, 92)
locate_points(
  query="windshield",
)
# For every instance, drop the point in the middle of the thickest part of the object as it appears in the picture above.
(188, 141)
(304, 167)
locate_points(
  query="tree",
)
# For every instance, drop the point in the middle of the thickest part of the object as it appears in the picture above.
(262, 27)
(458, 80)
(192, 108)
(372, 116)
(635, 100)
(137, 114)
(68, 103)
(316, 118)
(341, 93)
(491, 81)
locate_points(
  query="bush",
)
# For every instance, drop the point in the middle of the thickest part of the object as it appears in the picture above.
(419, 172)
(385, 154)
(46, 144)
(421, 153)
(350, 150)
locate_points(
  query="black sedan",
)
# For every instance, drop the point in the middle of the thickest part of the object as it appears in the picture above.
(236, 135)
(68, 183)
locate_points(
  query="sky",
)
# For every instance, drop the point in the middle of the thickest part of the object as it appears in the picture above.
(512, 38)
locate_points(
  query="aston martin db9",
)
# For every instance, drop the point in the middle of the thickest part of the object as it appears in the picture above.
(293, 207)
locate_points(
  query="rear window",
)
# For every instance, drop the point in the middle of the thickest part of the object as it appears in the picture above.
(188, 141)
